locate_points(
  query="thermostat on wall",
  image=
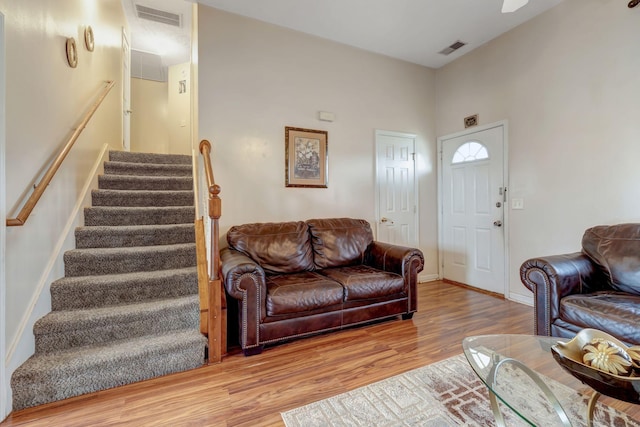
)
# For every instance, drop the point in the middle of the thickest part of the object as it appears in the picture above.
(325, 116)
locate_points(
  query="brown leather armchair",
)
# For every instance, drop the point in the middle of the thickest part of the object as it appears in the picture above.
(292, 279)
(598, 287)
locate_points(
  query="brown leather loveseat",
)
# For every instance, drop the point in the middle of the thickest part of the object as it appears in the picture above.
(598, 287)
(292, 279)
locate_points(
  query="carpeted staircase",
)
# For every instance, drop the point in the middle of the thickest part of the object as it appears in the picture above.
(127, 308)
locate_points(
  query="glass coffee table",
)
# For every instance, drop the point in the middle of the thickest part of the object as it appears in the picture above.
(520, 373)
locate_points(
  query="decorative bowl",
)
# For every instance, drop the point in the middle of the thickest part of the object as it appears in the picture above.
(569, 356)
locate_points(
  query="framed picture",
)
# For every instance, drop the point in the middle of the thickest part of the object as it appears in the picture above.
(306, 157)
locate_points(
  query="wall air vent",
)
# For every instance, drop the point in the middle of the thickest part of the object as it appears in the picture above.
(160, 16)
(450, 49)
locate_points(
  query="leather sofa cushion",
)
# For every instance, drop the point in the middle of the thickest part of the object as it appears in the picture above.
(339, 242)
(301, 292)
(362, 282)
(616, 313)
(283, 247)
(616, 250)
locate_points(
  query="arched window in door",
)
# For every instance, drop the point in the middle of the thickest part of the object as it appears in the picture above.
(470, 152)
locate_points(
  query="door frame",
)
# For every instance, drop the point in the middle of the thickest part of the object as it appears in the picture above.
(5, 404)
(505, 221)
(126, 84)
(416, 213)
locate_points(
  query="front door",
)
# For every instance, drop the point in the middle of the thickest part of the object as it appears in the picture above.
(473, 194)
(396, 189)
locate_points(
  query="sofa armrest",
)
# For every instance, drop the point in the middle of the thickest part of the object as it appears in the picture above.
(407, 262)
(553, 277)
(244, 280)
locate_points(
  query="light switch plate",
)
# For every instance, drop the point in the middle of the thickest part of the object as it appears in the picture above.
(517, 203)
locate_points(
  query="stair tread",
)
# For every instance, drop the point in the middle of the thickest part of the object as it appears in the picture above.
(101, 236)
(125, 277)
(137, 169)
(79, 292)
(101, 261)
(142, 198)
(114, 215)
(59, 375)
(72, 320)
(125, 229)
(142, 208)
(144, 157)
(145, 182)
(117, 192)
(154, 178)
(130, 250)
(55, 360)
(143, 165)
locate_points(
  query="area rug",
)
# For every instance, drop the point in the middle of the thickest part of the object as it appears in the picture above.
(442, 394)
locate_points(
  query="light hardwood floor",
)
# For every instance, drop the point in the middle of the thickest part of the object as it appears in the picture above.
(252, 391)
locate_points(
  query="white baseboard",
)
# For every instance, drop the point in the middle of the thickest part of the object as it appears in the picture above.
(428, 277)
(522, 299)
(23, 346)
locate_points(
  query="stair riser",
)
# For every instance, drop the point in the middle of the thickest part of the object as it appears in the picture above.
(90, 294)
(141, 198)
(101, 373)
(83, 263)
(138, 325)
(118, 182)
(126, 156)
(107, 216)
(141, 169)
(88, 237)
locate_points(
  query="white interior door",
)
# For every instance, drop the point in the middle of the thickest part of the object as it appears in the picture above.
(126, 93)
(473, 195)
(397, 216)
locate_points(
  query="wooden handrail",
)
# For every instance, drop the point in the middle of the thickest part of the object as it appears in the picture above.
(24, 213)
(216, 316)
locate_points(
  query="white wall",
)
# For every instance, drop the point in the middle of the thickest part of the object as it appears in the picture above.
(45, 100)
(149, 103)
(568, 84)
(256, 78)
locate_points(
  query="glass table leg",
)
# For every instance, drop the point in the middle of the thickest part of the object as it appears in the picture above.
(493, 374)
(496, 410)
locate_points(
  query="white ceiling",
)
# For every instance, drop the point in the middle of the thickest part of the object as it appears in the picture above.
(171, 43)
(411, 30)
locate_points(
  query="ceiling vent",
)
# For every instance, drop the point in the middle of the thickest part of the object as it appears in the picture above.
(450, 49)
(160, 16)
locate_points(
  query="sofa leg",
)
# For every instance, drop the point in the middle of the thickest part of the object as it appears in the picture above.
(252, 351)
(407, 316)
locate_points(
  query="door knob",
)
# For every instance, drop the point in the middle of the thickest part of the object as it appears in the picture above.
(384, 220)
(497, 223)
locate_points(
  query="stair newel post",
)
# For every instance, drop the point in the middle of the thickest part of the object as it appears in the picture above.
(215, 212)
(217, 337)
(217, 315)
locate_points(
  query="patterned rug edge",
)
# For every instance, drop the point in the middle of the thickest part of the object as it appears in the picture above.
(445, 393)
